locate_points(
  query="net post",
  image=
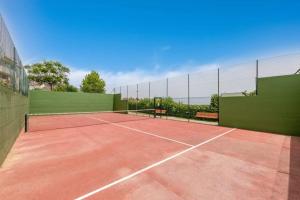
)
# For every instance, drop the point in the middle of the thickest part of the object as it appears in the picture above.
(218, 96)
(26, 123)
(256, 78)
(188, 82)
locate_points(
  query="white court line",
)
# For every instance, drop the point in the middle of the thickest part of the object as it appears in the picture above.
(149, 167)
(144, 132)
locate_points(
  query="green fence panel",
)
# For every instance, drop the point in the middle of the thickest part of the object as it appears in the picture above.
(13, 107)
(64, 102)
(119, 104)
(276, 108)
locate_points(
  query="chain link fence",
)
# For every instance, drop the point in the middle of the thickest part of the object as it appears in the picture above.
(184, 96)
(13, 81)
(12, 73)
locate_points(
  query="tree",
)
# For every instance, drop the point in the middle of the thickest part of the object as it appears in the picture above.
(92, 83)
(66, 88)
(214, 103)
(52, 73)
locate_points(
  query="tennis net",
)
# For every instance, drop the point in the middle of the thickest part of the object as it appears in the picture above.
(52, 121)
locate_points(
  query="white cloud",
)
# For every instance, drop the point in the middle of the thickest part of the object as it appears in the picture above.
(76, 76)
(203, 78)
(131, 78)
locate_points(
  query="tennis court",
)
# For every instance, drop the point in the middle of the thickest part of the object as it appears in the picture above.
(111, 155)
(190, 135)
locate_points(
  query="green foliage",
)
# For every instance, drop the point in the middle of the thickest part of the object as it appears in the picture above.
(3, 83)
(92, 83)
(37, 89)
(119, 104)
(52, 73)
(66, 88)
(174, 108)
(71, 88)
(214, 103)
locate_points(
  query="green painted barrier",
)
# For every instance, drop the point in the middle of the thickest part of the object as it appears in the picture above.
(64, 102)
(118, 103)
(275, 109)
(13, 107)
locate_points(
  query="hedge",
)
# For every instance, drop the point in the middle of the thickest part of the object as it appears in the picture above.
(174, 108)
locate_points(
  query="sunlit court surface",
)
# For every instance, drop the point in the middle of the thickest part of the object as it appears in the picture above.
(99, 156)
(149, 100)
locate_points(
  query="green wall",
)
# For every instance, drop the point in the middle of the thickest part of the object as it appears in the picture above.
(61, 102)
(275, 109)
(118, 103)
(12, 111)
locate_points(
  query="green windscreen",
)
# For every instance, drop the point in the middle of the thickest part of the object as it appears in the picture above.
(12, 110)
(13, 92)
(66, 102)
(276, 108)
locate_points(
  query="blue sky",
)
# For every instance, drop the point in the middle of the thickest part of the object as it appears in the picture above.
(150, 37)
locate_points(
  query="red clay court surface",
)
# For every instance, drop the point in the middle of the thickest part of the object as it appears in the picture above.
(151, 159)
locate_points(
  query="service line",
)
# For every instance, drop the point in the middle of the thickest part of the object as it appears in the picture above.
(149, 167)
(144, 132)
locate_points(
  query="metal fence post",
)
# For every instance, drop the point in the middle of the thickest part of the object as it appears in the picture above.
(167, 88)
(218, 96)
(137, 97)
(256, 78)
(189, 97)
(14, 68)
(149, 93)
(127, 96)
(167, 96)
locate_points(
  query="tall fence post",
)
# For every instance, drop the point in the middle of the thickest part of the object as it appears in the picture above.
(256, 78)
(167, 96)
(167, 88)
(127, 96)
(149, 95)
(114, 90)
(189, 110)
(14, 68)
(149, 90)
(218, 96)
(121, 91)
(137, 97)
